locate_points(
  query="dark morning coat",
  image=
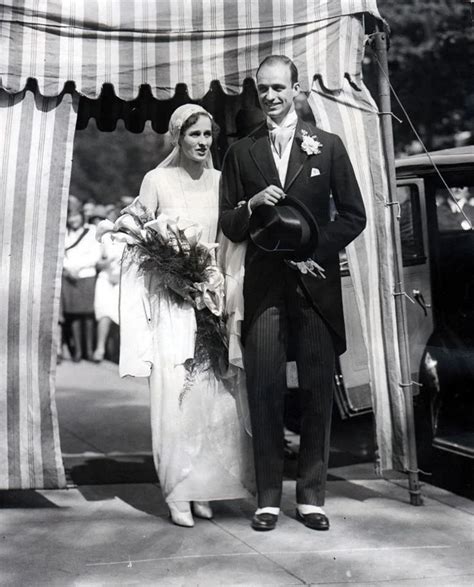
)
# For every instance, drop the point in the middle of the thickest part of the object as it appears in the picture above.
(248, 168)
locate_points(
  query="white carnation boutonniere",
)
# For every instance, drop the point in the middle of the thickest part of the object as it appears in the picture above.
(310, 144)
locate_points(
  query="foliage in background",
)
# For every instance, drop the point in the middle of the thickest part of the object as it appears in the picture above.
(108, 165)
(431, 59)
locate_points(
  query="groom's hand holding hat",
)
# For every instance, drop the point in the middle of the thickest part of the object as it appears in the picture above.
(270, 196)
(286, 228)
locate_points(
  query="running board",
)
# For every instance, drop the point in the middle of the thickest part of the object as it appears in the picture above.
(454, 446)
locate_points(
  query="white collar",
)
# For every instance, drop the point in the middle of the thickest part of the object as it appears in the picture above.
(290, 121)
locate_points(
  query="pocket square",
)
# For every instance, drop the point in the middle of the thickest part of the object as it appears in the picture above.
(315, 171)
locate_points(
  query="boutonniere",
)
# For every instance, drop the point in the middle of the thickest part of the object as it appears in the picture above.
(310, 144)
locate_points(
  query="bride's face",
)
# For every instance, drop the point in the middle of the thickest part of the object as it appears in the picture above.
(197, 140)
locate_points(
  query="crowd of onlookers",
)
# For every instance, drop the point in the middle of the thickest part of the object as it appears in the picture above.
(91, 272)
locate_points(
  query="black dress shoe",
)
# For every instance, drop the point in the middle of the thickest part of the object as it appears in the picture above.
(264, 522)
(313, 521)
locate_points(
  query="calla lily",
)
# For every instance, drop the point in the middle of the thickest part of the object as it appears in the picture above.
(104, 227)
(122, 237)
(159, 225)
(136, 208)
(190, 230)
(211, 248)
(193, 233)
(128, 223)
(173, 225)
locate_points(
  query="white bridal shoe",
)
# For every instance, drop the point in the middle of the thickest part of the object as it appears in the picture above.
(180, 512)
(202, 509)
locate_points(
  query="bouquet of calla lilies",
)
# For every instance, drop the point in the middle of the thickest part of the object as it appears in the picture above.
(185, 267)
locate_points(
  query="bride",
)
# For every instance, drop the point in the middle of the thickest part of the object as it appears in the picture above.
(201, 449)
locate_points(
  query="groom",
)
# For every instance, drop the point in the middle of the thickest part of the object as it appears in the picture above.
(299, 298)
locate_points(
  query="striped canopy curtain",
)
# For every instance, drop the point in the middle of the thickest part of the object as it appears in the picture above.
(35, 166)
(352, 114)
(160, 43)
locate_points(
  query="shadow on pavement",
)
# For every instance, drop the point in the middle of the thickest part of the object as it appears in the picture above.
(146, 498)
(24, 499)
(102, 471)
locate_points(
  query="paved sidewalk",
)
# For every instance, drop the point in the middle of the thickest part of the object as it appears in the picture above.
(120, 534)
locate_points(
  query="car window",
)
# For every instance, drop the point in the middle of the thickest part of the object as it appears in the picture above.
(410, 225)
(410, 229)
(455, 213)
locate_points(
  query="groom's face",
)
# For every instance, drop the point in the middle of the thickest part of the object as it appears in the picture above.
(276, 91)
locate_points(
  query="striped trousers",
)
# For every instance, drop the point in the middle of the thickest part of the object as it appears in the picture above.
(286, 315)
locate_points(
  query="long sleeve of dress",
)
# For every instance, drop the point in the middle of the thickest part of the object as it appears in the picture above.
(136, 333)
(148, 196)
(136, 328)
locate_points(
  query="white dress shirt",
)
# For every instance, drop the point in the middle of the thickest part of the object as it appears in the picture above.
(288, 125)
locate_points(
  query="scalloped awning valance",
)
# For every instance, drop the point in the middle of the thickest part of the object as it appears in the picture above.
(165, 42)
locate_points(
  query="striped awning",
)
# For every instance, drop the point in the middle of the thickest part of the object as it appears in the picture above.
(164, 42)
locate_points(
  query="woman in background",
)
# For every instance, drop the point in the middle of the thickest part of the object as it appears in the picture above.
(82, 252)
(106, 301)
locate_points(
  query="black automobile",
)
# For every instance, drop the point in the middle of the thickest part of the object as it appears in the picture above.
(441, 186)
(436, 196)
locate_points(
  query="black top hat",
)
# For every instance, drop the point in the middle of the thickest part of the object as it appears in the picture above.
(288, 229)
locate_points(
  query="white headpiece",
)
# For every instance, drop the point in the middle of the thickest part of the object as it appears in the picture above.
(178, 118)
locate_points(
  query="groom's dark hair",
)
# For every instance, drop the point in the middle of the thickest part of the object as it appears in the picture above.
(273, 59)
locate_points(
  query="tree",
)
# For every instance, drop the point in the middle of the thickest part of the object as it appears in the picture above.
(108, 165)
(430, 64)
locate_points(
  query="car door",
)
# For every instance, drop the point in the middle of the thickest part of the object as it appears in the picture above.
(416, 268)
(353, 395)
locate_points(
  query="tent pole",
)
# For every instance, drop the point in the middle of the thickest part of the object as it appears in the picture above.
(399, 292)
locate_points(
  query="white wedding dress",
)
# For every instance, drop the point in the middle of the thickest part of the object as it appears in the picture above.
(201, 449)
